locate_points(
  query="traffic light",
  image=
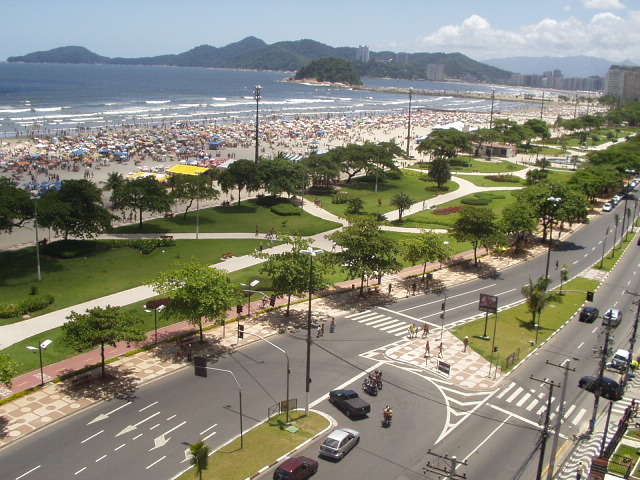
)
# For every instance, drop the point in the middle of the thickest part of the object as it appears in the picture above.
(200, 365)
(590, 296)
(443, 306)
(272, 301)
(240, 331)
(239, 309)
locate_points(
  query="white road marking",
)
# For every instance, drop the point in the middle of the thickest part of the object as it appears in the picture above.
(533, 403)
(130, 428)
(394, 324)
(580, 344)
(569, 411)
(104, 416)
(27, 473)
(523, 399)
(375, 322)
(137, 436)
(206, 430)
(475, 450)
(209, 436)
(155, 426)
(118, 448)
(579, 416)
(503, 392)
(148, 406)
(80, 471)
(399, 313)
(156, 462)
(351, 380)
(101, 458)
(92, 436)
(171, 417)
(514, 394)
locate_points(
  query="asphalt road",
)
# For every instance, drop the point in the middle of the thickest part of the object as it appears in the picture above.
(146, 434)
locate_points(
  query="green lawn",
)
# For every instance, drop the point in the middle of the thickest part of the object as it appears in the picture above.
(483, 181)
(427, 219)
(78, 280)
(461, 165)
(379, 202)
(242, 219)
(262, 446)
(515, 330)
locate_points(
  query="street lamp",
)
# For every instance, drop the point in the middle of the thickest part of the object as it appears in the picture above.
(629, 173)
(159, 308)
(555, 201)
(39, 348)
(35, 224)
(257, 97)
(409, 124)
(250, 292)
(312, 253)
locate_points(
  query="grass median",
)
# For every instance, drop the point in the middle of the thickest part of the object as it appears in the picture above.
(262, 446)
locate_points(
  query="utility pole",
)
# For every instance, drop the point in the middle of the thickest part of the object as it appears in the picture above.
(446, 471)
(566, 366)
(545, 427)
(632, 340)
(603, 362)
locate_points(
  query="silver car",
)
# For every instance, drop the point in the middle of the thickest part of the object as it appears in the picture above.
(339, 442)
(612, 317)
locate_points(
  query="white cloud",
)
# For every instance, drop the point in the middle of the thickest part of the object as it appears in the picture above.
(603, 4)
(606, 35)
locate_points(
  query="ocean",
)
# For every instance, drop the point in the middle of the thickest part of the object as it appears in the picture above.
(55, 98)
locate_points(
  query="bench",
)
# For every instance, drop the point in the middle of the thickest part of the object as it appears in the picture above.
(81, 380)
(227, 255)
(166, 237)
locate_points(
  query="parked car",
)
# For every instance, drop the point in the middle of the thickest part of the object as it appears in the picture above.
(616, 199)
(298, 468)
(610, 390)
(349, 402)
(612, 317)
(589, 314)
(607, 207)
(620, 360)
(339, 442)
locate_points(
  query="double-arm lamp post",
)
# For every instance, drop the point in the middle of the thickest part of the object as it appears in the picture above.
(551, 219)
(39, 348)
(312, 252)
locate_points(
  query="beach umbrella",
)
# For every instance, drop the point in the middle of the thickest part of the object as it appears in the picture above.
(77, 152)
(104, 151)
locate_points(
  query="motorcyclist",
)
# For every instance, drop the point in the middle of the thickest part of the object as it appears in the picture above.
(387, 413)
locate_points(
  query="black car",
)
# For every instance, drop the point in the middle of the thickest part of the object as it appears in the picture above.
(349, 402)
(589, 314)
(610, 390)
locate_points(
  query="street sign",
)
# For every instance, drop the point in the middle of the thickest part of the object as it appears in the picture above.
(444, 367)
(488, 303)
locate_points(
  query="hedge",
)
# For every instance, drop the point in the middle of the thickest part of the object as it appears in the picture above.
(33, 304)
(286, 209)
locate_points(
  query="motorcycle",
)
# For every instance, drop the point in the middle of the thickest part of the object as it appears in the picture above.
(370, 388)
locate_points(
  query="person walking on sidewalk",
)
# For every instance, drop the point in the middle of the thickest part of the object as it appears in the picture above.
(427, 350)
(425, 330)
(465, 342)
(332, 327)
(440, 349)
(580, 471)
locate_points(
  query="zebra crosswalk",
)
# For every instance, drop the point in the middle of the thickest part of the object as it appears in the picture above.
(382, 322)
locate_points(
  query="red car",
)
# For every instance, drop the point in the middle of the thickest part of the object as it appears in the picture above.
(298, 468)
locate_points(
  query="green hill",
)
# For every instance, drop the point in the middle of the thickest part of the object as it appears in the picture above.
(333, 70)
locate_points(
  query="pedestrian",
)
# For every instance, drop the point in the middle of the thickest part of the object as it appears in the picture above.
(427, 350)
(261, 247)
(440, 348)
(580, 471)
(415, 331)
(557, 264)
(333, 246)
(390, 288)
(465, 343)
(322, 330)
(332, 327)
(425, 330)
(410, 331)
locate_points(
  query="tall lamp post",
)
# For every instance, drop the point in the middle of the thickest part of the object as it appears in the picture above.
(35, 225)
(159, 308)
(629, 173)
(250, 292)
(39, 348)
(257, 97)
(312, 252)
(409, 124)
(555, 201)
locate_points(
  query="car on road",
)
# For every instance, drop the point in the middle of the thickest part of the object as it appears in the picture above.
(607, 207)
(612, 317)
(616, 199)
(339, 443)
(620, 360)
(349, 402)
(611, 390)
(589, 314)
(297, 468)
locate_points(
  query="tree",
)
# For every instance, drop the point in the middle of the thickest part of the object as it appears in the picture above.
(100, 327)
(281, 175)
(199, 457)
(402, 201)
(445, 143)
(290, 271)
(7, 370)
(197, 292)
(536, 296)
(440, 171)
(144, 194)
(366, 250)
(424, 248)
(564, 276)
(190, 188)
(519, 221)
(476, 225)
(241, 174)
(114, 181)
(76, 209)
(16, 205)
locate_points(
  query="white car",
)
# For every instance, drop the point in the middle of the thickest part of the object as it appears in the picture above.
(339, 442)
(616, 199)
(607, 207)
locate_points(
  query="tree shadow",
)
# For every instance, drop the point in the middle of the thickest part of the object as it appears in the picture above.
(4, 423)
(119, 382)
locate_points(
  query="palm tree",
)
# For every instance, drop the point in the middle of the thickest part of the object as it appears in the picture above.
(536, 296)
(114, 180)
(199, 457)
(440, 171)
(402, 201)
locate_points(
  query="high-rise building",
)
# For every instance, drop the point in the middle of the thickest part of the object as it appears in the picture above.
(435, 72)
(362, 54)
(403, 58)
(623, 82)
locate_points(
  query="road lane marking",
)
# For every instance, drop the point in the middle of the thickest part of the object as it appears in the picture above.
(399, 313)
(524, 398)
(395, 323)
(104, 416)
(118, 448)
(80, 471)
(448, 298)
(580, 344)
(533, 403)
(148, 406)
(130, 428)
(92, 436)
(101, 458)
(156, 462)
(209, 436)
(375, 322)
(155, 426)
(579, 416)
(351, 380)
(514, 395)
(137, 436)
(475, 450)
(206, 430)
(171, 417)
(27, 473)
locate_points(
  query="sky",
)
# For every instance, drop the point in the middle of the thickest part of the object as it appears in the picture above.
(480, 29)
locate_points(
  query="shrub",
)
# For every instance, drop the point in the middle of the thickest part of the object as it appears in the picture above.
(503, 178)
(491, 195)
(475, 201)
(270, 200)
(153, 304)
(340, 197)
(65, 249)
(11, 310)
(459, 162)
(447, 211)
(286, 209)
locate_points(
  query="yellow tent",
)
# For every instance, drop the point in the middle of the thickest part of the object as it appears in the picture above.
(187, 170)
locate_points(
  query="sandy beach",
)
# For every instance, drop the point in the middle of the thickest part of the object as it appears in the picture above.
(47, 159)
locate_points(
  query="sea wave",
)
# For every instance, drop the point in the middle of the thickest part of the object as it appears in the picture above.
(157, 102)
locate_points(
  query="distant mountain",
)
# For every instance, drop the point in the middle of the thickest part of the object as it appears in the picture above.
(330, 69)
(578, 66)
(254, 54)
